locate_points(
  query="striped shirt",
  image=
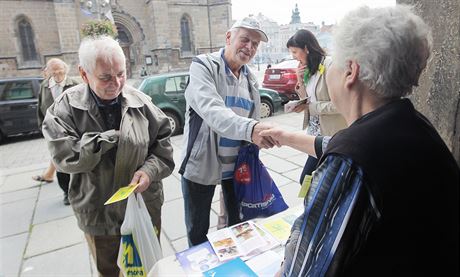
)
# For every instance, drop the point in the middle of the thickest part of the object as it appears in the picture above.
(238, 99)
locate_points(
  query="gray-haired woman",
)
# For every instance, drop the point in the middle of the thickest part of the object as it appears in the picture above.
(384, 200)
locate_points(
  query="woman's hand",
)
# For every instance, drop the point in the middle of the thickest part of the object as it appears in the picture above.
(300, 108)
(300, 72)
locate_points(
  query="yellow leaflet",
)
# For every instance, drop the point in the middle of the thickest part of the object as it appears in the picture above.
(121, 194)
(278, 228)
(305, 186)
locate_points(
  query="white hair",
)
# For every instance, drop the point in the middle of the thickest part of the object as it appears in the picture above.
(55, 61)
(391, 45)
(103, 47)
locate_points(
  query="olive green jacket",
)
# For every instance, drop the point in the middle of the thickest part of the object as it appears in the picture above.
(45, 98)
(79, 145)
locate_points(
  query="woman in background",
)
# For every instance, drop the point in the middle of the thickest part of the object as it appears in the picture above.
(321, 117)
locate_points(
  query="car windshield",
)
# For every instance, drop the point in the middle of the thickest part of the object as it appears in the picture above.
(287, 64)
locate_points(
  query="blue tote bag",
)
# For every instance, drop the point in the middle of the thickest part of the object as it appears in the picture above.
(255, 190)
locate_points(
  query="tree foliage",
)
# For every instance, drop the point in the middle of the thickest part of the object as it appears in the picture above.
(96, 28)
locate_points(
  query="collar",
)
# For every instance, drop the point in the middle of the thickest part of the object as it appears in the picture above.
(80, 97)
(243, 69)
(52, 82)
(68, 81)
(101, 103)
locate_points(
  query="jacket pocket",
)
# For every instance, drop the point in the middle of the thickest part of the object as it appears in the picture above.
(202, 140)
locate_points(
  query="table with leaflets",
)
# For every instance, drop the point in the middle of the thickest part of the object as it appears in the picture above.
(259, 242)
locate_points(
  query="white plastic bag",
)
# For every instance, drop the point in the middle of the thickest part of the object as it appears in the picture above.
(139, 246)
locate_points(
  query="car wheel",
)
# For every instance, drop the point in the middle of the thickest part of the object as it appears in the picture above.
(266, 108)
(175, 123)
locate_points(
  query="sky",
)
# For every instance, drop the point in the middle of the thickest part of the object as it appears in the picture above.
(316, 11)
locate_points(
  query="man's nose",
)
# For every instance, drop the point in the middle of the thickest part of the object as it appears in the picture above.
(117, 80)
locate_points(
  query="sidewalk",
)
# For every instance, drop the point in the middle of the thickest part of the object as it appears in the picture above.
(39, 236)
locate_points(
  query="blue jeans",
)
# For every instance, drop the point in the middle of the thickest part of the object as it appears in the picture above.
(197, 207)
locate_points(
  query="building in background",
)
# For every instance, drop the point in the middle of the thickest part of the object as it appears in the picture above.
(275, 49)
(160, 35)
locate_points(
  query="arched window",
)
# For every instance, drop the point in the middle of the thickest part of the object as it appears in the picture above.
(26, 39)
(185, 34)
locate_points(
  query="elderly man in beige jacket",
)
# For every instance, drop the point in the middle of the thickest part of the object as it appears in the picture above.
(108, 135)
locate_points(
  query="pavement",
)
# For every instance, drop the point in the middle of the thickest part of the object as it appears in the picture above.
(39, 236)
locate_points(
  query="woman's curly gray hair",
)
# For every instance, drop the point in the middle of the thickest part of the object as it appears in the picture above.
(391, 45)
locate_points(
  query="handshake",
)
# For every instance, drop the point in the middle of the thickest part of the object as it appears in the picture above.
(267, 135)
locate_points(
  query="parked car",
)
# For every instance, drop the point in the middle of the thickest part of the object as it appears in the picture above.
(18, 106)
(167, 92)
(282, 78)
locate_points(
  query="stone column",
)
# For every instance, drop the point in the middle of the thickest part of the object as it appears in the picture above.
(438, 94)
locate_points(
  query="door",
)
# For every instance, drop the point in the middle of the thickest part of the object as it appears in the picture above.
(18, 107)
(128, 60)
(174, 90)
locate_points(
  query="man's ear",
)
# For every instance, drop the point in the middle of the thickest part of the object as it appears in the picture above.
(352, 73)
(83, 74)
(228, 36)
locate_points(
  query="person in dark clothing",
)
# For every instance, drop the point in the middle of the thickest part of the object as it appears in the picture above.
(384, 200)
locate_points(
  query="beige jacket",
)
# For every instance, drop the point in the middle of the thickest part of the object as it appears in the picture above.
(73, 129)
(330, 119)
(45, 98)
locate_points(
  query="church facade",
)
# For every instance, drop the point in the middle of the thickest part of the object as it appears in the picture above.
(156, 35)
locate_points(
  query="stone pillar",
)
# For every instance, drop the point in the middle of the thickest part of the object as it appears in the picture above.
(438, 94)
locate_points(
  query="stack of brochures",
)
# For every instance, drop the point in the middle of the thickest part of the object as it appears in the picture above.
(249, 241)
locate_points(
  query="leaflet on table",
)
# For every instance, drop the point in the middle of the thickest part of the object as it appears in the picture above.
(237, 240)
(198, 259)
(290, 106)
(235, 267)
(265, 264)
(280, 227)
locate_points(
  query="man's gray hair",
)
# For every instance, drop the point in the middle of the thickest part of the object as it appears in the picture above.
(53, 61)
(103, 47)
(391, 45)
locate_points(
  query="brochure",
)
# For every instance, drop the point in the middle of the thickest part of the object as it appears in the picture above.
(280, 227)
(236, 241)
(266, 264)
(121, 194)
(198, 259)
(290, 106)
(233, 268)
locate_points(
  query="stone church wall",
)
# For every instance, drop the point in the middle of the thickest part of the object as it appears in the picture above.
(438, 94)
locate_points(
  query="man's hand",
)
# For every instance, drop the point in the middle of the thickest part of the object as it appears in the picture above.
(262, 142)
(141, 178)
(277, 135)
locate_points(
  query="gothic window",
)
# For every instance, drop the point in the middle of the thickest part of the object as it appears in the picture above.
(124, 36)
(185, 34)
(26, 39)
